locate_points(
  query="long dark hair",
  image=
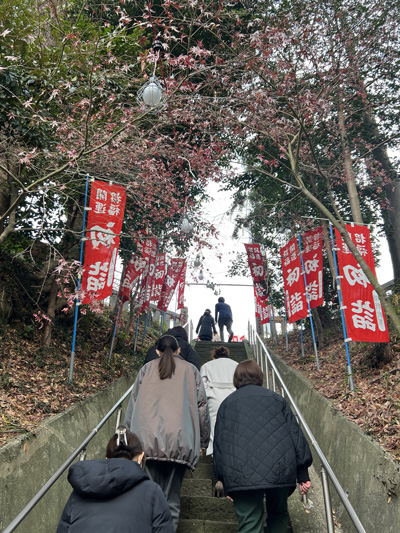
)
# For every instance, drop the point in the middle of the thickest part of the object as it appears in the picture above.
(124, 445)
(167, 345)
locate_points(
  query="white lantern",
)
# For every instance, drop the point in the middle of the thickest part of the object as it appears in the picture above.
(152, 94)
(186, 226)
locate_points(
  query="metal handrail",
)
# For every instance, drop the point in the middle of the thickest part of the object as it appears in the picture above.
(326, 468)
(81, 448)
(39, 495)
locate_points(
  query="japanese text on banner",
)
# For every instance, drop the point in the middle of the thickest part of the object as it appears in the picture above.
(106, 213)
(257, 270)
(293, 279)
(365, 319)
(159, 278)
(150, 247)
(312, 260)
(171, 280)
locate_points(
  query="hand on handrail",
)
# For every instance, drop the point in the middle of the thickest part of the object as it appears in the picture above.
(304, 487)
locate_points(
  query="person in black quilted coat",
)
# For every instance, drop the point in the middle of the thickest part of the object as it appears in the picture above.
(115, 494)
(259, 449)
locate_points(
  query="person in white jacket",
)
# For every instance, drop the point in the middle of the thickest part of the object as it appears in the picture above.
(217, 376)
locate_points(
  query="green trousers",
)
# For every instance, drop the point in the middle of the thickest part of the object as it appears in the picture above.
(249, 509)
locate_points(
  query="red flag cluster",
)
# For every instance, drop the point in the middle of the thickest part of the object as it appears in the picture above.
(364, 315)
(365, 319)
(147, 266)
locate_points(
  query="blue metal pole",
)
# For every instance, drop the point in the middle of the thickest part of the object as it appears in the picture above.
(114, 332)
(274, 325)
(152, 284)
(346, 340)
(77, 303)
(161, 320)
(136, 334)
(301, 336)
(286, 322)
(308, 302)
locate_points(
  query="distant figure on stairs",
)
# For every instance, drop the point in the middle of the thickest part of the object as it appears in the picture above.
(217, 376)
(259, 450)
(223, 315)
(187, 353)
(169, 413)
(206, 326)
(115, 493)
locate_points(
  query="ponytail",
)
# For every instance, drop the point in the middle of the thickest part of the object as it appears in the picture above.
(167, 345)
(123, 445)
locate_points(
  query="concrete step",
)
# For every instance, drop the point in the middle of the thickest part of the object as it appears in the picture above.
(202, 471)
(207, 508)
(207, 526)
(198, 487)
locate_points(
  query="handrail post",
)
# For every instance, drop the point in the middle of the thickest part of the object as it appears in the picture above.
(119, 412)
(327, 501)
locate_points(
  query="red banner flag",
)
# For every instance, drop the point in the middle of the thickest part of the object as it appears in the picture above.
(170, 283)
(149, 251)
(293, 279)
(262, 309)
(106, 213)
(365, 319)
(159, 277)
(257, 270)
(133, 270)
(181, 288)
(312, 260)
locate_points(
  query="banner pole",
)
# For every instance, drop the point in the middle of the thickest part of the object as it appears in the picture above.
(161, 321)
(339, 289)
(151, 292)
(136, 334)
(77, 302)
(274, 325)
(286, 322)
(301, 337)
(308, 302)
(114, 332)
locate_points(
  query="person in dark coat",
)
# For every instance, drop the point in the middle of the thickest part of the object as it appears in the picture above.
(206, 326)
(224, 318)
(259, 450)
(115, 494)
(187, 352)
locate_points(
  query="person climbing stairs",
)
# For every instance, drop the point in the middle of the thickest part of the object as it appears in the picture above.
(201, 510)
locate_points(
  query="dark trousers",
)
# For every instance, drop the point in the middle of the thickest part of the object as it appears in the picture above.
(169, 476)
(249, 509)
(228, 323)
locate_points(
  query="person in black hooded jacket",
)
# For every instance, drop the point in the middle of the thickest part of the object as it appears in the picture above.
(206, 326)
(187, 352)
(115, 494)
(259, 450)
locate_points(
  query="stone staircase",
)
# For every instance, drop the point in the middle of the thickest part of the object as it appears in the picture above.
(201, 511)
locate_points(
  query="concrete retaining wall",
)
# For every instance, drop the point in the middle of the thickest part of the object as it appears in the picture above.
(367, 473)
(27, 464)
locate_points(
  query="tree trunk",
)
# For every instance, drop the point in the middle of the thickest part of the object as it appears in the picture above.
(348, 164)
(318, 326)
(51, 307)
(391, 216)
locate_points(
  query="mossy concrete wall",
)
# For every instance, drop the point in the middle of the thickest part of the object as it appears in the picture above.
(26, 464)
(366, 472)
